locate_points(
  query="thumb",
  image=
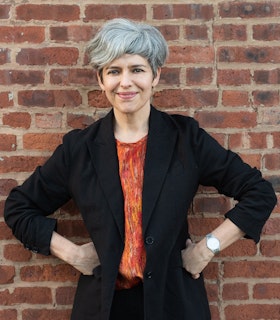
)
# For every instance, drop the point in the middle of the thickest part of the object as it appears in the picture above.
(188, 242)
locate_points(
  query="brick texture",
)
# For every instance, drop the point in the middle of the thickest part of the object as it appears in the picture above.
(223, 70)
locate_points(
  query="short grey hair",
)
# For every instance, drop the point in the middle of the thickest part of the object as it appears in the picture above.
(121, 36)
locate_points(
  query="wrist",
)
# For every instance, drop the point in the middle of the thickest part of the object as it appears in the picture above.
(213, 243)
(205, 253)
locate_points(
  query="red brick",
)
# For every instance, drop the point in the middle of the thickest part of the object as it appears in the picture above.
(211, 271)
(215, 312)
(2, 204)
(105, 12)
(221, 119)
(220, 137)
(7, 274)
(246, 10)
(199, 76)
(212, 292)
(41, 141)
(6, 99)
(272, 161)
(6, 186)
(16, 252)
(4, 11)
(270, 248)
(97, 99)
(267, 76)
(235, 98)
(249, 54)
(5, 56)
(252, 311)
(185, 11)
(17, 120)
(48, 120)
(84, 76)
(267, 32)
(276, 139)
(266, 98)
(50, 98)
(48, 12)
(5, 232)
(235, 291)
(266, 291)
(240, 248)
(254, 160)
(257, 140)
(252, 269)
(236, 141)
(79, 121)
(8, 142)
(187, 54)
(8, 77)
(65, 295)
(22, 34)
(212, 204)
(34, 295)
(185, 98)
(45, 314)
(233, 77)
(72, 33)
(230, 32)
(272, 226)
(196, 32)
(20, 163)
(170, 76)
(170, 32)
(44, 56)
(61, 273)
(201, 226)
(8, 314)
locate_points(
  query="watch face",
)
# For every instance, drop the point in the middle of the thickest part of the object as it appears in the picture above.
(213, 243)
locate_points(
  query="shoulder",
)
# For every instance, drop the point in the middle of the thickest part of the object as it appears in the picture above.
(78, 137)
(180, 122)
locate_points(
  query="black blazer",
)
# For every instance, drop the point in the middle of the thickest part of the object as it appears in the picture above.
(179, 157)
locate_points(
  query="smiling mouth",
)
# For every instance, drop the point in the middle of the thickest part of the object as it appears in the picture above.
(126, 95)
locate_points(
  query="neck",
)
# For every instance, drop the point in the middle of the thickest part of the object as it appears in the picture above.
(130, 129)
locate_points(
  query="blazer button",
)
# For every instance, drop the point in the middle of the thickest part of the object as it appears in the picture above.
(149, 275)
(149, 240)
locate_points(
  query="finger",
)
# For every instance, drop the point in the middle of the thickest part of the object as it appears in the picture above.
(188, 242)
(196, 276)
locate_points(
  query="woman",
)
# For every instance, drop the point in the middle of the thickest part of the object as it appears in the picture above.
(133, 175)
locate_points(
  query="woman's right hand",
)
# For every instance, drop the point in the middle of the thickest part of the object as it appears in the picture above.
(86, 258)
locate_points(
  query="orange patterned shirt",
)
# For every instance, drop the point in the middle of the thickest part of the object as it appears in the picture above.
(131, 169)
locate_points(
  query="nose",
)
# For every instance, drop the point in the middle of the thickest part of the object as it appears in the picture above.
(125, 80)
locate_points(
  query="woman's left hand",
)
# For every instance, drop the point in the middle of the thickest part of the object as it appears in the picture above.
(196, 257)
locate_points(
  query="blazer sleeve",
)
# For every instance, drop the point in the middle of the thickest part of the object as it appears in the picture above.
(225, 170)
(27, 206)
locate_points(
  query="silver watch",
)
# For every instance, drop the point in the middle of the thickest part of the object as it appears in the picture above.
(212, 243)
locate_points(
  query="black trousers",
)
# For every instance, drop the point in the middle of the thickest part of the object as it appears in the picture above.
(128, 304)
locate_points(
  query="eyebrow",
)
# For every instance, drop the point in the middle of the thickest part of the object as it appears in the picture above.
(133, 66)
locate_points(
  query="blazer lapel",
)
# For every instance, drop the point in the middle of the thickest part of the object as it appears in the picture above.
(160, 146)
(105, 161)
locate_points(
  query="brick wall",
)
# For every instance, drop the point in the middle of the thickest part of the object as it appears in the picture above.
(224, 70)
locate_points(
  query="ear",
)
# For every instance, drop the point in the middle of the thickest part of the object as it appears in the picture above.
(156, 78)
(100, 82)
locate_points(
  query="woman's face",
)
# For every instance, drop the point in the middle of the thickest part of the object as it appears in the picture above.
(128, 82)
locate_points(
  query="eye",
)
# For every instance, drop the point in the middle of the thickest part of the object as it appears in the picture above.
(113, 72)
(138, 70)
